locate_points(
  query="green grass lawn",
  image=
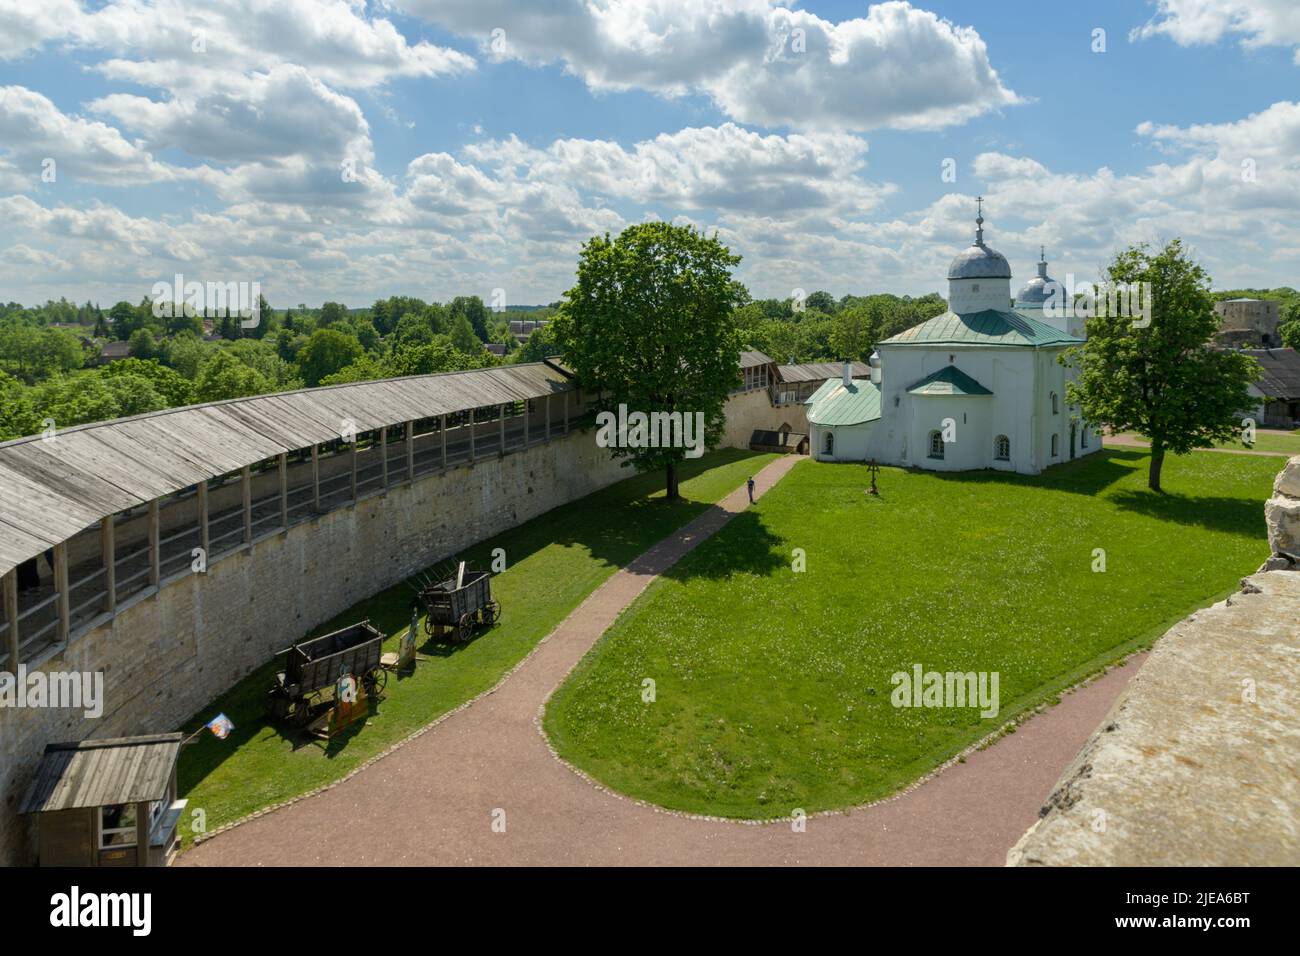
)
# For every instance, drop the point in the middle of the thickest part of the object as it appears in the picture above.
(1281, 443)
(554, 562)
(773, 687)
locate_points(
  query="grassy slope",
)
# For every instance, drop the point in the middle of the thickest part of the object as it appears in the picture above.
(773, 688)
(554, 562)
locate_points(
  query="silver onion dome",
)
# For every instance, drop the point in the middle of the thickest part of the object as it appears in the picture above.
(978, 261)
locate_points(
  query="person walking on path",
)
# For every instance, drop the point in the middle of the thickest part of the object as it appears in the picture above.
(749, 486)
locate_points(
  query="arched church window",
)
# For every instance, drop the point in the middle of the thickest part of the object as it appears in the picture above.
(1056, 406)
(1002, 448)
(1083, 437)
(828, 446)
(936, 444)
(1056, 445)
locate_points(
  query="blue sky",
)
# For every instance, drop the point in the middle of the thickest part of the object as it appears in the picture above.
(482, 162)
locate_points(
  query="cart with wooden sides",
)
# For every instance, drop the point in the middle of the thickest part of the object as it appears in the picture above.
(460, 604)
(313, 667)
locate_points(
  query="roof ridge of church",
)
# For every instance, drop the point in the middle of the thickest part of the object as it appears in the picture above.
(995, 327)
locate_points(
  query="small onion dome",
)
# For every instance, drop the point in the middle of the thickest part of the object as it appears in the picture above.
(979, 261)
(1038, 289)
(874, 361)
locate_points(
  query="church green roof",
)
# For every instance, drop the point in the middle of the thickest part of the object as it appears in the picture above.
(949, 380)
(834, 404)
(990, 327)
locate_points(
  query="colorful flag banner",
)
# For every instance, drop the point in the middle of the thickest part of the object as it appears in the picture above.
(221, 726)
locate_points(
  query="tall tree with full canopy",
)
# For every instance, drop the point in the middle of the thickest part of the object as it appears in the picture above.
(1162, 379)
(649, 325)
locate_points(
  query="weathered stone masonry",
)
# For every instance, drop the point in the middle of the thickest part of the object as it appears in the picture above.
(166, 654)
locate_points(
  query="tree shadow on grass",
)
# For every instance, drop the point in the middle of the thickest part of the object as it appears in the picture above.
(1214, 513)
(1090, 475)
(743, 546)
(614, 524)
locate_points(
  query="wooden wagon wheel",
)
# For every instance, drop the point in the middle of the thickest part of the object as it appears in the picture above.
(375, 681)
(302, 708)
(466, 626)
(491, 612)
(429, 625)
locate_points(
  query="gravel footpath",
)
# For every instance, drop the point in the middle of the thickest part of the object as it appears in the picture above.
(442, 797)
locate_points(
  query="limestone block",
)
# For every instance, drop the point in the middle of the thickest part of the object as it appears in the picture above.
(1282, 515)
(1288, 479)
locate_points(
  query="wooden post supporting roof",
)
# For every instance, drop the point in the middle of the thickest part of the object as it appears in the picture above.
(108, 557)
(201, 502)
(61, 584)
(155, 545)
(442, 430)
(410, 451)
(247, 475)
(548, 417)
(11, 616)
(471, 436)
(353, 455)
(315, 477)
(501, 429)
(383, 454)
(283, 463)
(566, 411)
(528, 413)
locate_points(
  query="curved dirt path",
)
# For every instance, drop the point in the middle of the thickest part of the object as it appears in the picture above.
(435, 800)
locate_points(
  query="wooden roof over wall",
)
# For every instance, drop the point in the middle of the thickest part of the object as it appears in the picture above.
(100, 773)
(50, 490)
(821, 371)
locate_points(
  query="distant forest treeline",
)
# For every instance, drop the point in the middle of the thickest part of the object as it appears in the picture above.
(51, 370)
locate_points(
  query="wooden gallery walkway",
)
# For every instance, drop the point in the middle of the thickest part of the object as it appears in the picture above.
(434, 800)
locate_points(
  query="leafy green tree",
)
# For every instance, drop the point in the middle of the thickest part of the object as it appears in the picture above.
(1163, 380)
(853, 333)
(472, 308)
(1288, 328)
(412, 329)
(223, 376)
(143, 345)
(462, 335)
(820, 302)
(124, 319)
(186, 353)
(365, 369)
(93, 397)
(33, 353)
(174, 389)
(540, 345)
(326, 352)
(649, 324)
(17, 417)
(332, 313)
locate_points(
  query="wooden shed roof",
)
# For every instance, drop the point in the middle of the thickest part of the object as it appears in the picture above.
(820, 371)
(51, 489)
(100, 773)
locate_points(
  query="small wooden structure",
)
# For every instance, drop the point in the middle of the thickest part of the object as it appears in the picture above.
(108, 802)
(782, 440)
(459, 604)
(312, 667)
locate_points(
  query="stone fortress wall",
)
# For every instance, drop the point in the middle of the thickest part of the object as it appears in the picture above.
(167, 653)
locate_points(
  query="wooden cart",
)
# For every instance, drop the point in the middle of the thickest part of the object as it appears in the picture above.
(313, 668)
(459, 604)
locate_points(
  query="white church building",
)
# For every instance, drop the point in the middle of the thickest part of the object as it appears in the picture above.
(976, 387)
